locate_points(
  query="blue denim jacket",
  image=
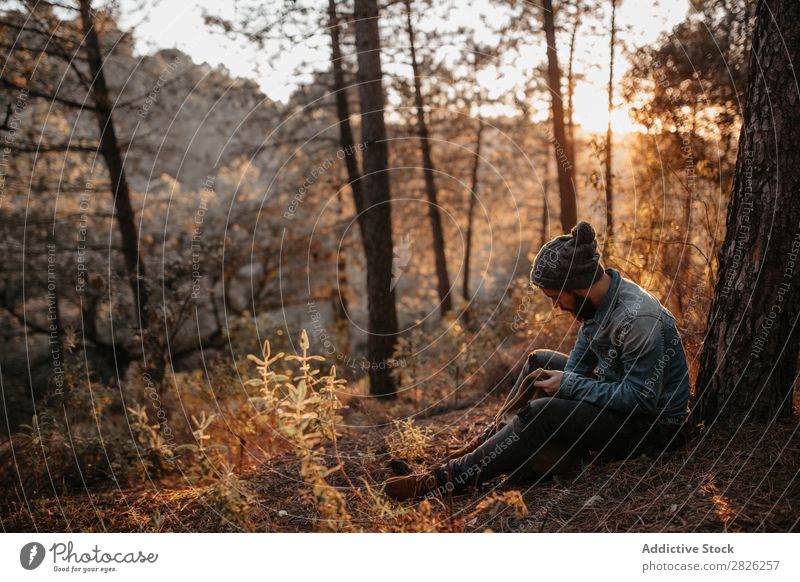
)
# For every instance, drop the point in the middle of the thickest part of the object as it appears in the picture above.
(629, 356)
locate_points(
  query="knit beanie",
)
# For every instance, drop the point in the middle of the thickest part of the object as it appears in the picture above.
(569, 261)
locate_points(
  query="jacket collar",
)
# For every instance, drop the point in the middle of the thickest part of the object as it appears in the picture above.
(609, 300)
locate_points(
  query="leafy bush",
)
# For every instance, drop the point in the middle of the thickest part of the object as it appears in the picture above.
(304, 407)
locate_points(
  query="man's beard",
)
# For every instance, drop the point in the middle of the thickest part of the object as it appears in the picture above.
(586, 309)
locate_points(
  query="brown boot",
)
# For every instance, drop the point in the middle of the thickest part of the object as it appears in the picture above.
(411, 486)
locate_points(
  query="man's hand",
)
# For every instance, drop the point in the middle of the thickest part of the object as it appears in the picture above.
(551, 383)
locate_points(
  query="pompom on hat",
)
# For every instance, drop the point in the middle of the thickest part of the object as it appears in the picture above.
(569, 261)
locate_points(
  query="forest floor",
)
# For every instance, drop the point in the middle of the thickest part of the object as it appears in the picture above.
(744, 478)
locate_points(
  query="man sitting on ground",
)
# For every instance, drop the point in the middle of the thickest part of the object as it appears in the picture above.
(623, 390)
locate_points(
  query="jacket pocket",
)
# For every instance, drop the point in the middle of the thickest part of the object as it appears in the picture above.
(609, 365)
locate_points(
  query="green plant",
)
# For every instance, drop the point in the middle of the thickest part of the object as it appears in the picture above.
(227, 496)
(304, 408)
(33, 443)
(231, 499)
(155, 456)
(203, 457)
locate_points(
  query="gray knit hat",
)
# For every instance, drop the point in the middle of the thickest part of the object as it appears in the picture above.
(569, 261)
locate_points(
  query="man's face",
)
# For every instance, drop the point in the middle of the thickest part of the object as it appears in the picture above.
(575, 302)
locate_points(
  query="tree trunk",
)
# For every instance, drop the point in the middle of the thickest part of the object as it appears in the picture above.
(749, 359)
(346, 141)
(340, 295)
(543, 238)
(609, 133)
(682, 294)
(109, 148)
(564, 162)
(443, 280)
(476, 162)
(571, 84)
(378, 232)
(347, 145)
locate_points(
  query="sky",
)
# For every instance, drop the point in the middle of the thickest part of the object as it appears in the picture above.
(179, 24)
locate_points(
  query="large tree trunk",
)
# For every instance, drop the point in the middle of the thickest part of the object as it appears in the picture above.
(476, 161)
(749, 359)
(609, 133)
(564, 162)
(109, 148)
(378, 233)
(443, 280)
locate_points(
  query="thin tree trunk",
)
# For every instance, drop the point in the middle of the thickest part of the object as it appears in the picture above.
(476, 162)
(571, 83)
(687, 204)
(340, 295)
(609, 132)
(109, 148)
(545, 208)
(564, 162)
(749, 359)
(688, 193)
(346, 141)
(378, 232)
(443, 279)
(347, 145)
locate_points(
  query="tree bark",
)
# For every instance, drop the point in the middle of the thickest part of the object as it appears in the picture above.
(609, 132)
(340, 295)
(571, 83)
(564, 163)
(347, 144)
(346, 141)
(476, 161)
(378, 232)
(109, 149)
(443, 279)
(545, 207)
(749, 358)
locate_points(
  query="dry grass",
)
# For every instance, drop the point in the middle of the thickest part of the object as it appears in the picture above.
(727, 478)
(730, 479)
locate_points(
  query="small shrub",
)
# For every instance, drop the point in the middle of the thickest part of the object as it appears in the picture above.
(304, 408)
(227, 496)
(389, 516)
(408, 441)
(156, 457)
(231, 500)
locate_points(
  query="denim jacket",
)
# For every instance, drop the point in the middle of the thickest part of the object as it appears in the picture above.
(629, 356)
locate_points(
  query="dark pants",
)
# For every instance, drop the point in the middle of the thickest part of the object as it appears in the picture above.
(551, 435)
